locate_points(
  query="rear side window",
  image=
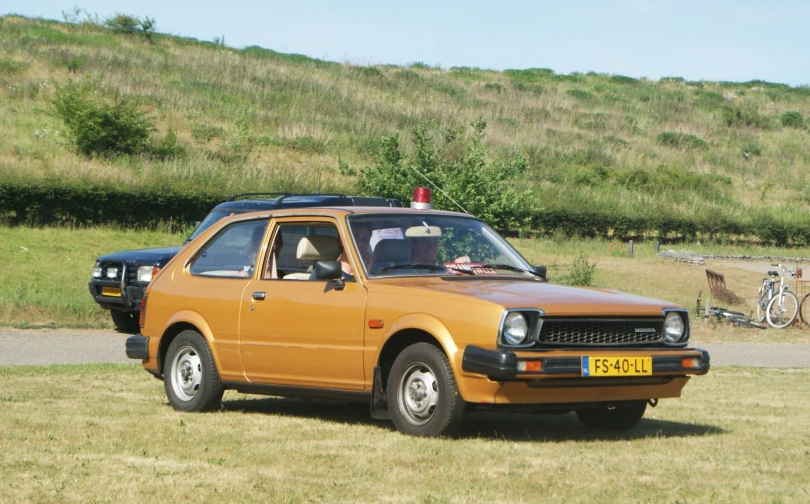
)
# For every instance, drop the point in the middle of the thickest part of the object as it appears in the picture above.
(231, 253)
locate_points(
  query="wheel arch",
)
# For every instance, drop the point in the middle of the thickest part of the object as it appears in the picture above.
(178, 323)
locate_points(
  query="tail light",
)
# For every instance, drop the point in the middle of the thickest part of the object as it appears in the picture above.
(142, 315)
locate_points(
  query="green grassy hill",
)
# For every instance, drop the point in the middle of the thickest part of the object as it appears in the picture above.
(255, 119)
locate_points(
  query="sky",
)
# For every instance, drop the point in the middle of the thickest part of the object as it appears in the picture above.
(722, 40)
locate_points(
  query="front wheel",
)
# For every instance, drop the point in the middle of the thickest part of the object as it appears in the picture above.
(126, 322)
(747, 322)
(423, 396)
(191, 379)
(782, 310)
(623, 416)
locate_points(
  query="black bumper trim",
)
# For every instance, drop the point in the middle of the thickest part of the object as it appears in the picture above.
(502, 364)
(138, 347)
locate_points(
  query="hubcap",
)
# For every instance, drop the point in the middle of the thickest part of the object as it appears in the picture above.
(418, 394)
(186, 373)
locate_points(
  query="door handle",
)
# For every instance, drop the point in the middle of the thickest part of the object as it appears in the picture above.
(258, 296)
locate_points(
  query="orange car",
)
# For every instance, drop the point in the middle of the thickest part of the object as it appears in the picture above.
(421, 314)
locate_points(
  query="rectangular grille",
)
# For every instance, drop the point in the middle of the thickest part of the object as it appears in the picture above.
(600, 332)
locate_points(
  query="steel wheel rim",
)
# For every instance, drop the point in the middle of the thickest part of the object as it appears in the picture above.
(186, 373)
(780, 315)
(418, 393)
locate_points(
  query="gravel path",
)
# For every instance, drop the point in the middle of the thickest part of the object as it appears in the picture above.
(82, 346)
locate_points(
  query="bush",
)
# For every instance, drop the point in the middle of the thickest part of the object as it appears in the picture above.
(130, 25)
(98, 128)
(737, 117)
(792, 119)
(581, 273)
(682, 141)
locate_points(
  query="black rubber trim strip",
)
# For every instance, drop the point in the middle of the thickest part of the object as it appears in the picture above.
(304, 392)
(494, 363)
(138, 347)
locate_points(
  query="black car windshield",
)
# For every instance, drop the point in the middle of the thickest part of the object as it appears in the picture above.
(431, 244)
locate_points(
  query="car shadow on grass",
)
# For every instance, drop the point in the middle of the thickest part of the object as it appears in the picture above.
(475, 425)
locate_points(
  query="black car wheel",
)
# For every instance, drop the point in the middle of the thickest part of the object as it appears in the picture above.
(126, 322)
(423, 396)
(190, 378)
(623, 416)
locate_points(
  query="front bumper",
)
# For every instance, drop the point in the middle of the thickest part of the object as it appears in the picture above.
(129, 300)
(138, 347)
(502, 365)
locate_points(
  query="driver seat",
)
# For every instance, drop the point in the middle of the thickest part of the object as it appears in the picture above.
(390, 253)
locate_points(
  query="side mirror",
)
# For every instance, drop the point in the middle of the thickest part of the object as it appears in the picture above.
(330, 270)
(541, 270)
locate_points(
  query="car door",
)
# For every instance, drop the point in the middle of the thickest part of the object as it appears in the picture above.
(214, 284)
(302, 332)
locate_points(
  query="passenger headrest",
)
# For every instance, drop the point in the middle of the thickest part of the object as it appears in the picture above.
(318, 248)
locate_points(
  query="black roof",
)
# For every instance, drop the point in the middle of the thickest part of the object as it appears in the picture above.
(284, 200)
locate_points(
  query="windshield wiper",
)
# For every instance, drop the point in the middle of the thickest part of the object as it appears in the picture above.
(431, 267)
(510, 268)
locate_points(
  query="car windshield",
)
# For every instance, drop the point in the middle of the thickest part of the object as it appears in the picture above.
(416, 245)
(213, 218)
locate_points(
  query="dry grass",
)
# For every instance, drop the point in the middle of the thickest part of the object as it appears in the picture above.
(107, 434)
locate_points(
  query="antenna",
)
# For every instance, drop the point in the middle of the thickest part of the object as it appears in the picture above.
(439, 189)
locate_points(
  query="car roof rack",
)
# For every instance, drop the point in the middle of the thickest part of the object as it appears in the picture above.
(282, 195)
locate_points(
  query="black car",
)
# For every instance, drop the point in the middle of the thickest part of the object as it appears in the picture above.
(120, 278)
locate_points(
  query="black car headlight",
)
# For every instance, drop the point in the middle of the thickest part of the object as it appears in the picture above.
(519, 327)
(676, 327)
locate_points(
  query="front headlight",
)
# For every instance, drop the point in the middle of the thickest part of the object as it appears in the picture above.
(674, 327)
(515, 329)
(96, 270)
(147, 273)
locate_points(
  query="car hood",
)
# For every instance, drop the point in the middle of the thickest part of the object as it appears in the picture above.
(153, 256)
(555, 300)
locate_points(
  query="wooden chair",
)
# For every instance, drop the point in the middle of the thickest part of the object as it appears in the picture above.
(717, 286)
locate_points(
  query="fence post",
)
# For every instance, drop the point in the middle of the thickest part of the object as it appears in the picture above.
(630, 249)
(657, 246)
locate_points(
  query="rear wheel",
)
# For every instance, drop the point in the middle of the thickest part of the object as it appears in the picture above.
(782, 310)
(762, 304)
(623, 416)
(191, 379)
(423, 396)
(804, 310)
(126, 322)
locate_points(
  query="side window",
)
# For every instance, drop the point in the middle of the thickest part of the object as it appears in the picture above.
(231, 253)
(296, 248)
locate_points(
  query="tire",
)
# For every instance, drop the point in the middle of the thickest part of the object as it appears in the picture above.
(747, 322)
(190, 378)
(423, 396)
(622, 417)
(781, 317)
(804, 310)
(126, 322)
(762, 303)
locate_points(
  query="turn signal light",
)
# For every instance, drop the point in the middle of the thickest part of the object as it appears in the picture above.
(530, 366)
(690, 363)
(142, 314)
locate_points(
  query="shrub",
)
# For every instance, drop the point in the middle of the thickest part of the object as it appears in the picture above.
(681, 140)
(792, 119)
(623, 79)
(130, 25)
(733, 116)
(98, 128)
(581, 273)
(580, 94)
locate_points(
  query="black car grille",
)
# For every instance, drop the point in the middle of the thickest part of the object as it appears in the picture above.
(600, 332)
(130, 272)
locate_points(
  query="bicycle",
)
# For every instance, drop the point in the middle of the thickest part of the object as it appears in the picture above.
(783, 305)
(734, 317)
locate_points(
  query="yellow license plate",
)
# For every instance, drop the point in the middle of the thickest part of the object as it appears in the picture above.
(616, 366)
(111, 291)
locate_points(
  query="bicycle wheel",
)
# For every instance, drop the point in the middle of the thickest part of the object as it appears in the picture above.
(762, 304)
(782, 310)
(747, 322)
(804, 310)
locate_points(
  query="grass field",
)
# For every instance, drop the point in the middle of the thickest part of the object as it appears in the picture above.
(44, 275)
(105, 433)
